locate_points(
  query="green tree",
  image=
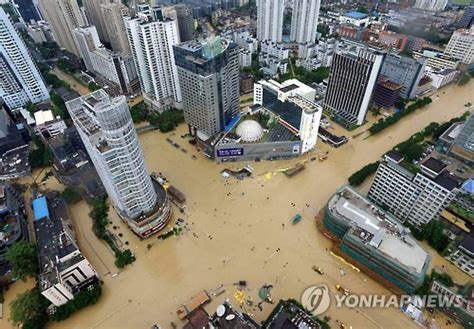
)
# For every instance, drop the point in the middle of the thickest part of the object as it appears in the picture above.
(23, 259)
(92, 86)
(139, 112)
(433, 232)
(413, 152)
(86, 297)
(123, 258)
(463, 79)
(31, 108)
(359, 176)
(71, 195)
(29, 310)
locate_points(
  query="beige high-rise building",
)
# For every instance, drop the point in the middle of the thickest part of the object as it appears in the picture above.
(63, 17)
(95, 17)
(113, 18)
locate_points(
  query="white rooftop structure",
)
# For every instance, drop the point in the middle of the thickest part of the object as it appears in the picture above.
(250, 131)
(379, 229)
(42, 117)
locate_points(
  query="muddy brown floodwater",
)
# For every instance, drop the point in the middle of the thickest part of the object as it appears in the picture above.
(240, 230)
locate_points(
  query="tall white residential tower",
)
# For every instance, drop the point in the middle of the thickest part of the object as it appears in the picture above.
(106, 129)
(151, 39)
(20, 80)
(304, 22)
(63, 17)
(270, 20)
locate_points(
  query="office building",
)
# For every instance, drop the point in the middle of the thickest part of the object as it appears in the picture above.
(431, 5)
(209, 79)
(20, 79)
(107, 131)
(404, 71)
(63, 17)
(352, 80)
(386, 92)
(463, 146)
(270, 20)
(461, 46)
(185, 18)
(375, 241)
(151, 41)
(416, 198)
(467, 19)
(96, 18)
(113, 14)
(304, 21)
(64, 271)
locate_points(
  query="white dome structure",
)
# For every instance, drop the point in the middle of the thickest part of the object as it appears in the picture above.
(250, 131)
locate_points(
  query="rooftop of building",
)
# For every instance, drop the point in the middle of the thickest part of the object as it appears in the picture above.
(394, 156)
(355, 15)
(468, 243)
(447, 180)
(227, 317)
(434, 165)
(53, 236)
(268, 130)
(290, 315)
(389, 84)
(378, 229)
(450, 135)
(85, 107)
(204, 51)
(42, 117)
(446, 72)
(40, 208)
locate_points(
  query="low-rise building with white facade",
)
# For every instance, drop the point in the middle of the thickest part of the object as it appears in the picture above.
(274, 49)
(245, 58)
(309, 63)
(47, 125)
(64, 271)
(441, 78)
(463, 255)
(354, 18)
(243, 39)
(283, 123)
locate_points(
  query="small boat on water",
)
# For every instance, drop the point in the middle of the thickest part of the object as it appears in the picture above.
(296, 219)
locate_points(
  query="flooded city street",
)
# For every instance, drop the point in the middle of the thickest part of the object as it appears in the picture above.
(241, 230)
